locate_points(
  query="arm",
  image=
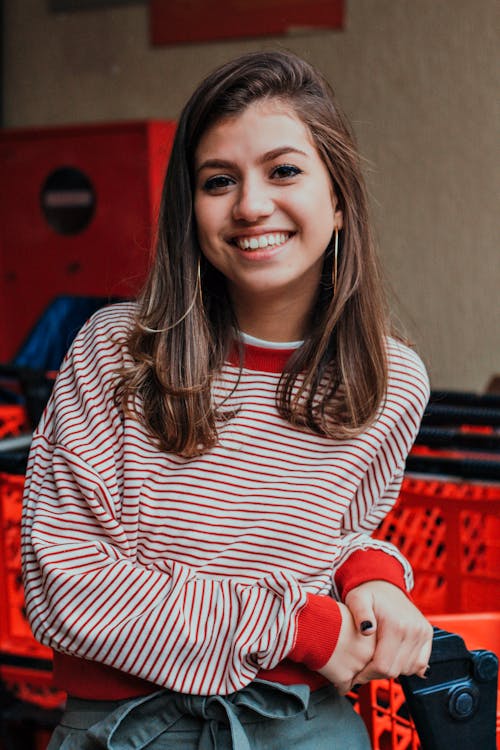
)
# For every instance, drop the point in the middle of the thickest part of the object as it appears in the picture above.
(392, 436)
(361, 556)
(371, 577)
(372, 568)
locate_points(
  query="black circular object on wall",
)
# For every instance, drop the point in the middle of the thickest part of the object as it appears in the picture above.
(68, 200)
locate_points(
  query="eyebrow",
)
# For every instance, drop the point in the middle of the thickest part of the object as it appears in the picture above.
(268, 156)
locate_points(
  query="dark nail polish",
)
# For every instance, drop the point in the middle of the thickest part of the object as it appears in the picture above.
(366, 625)
(427, 673)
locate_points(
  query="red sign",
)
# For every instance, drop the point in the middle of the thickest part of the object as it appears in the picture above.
(178, 21)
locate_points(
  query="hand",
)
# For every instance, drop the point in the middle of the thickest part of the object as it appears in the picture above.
(351, 655)
(403, 635)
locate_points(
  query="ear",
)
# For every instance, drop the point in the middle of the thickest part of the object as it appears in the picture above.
(338, 215)
(338, 218)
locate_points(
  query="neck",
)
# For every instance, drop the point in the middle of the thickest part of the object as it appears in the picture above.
(273, 319)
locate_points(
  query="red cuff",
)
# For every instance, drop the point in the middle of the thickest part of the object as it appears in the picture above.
(318, 628)
(369, 565)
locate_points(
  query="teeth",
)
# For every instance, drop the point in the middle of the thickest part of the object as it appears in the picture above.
(265, 240)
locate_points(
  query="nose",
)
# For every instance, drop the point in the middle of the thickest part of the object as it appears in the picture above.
(252, 202)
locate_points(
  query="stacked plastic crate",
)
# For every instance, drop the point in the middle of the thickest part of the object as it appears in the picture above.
(29, 703)
(447, 523)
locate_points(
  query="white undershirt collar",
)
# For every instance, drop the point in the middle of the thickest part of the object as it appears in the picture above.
(254, 341)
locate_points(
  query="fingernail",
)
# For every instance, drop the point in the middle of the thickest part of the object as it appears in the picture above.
(366, 625)
(427, 673)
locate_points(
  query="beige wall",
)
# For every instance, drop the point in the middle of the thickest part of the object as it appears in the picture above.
(417, 78)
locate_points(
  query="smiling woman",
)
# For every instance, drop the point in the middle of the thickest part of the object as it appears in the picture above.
(204, 481)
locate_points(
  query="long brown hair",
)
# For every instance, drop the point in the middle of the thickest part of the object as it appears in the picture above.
(335, 382)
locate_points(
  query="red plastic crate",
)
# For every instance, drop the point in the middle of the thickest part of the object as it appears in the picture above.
(381, 703)
(32, 686)
(15, 632)
(16, 638)
(13, 420)
(450, 533)
(382, 706)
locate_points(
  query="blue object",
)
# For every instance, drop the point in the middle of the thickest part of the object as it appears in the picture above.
(53, 334)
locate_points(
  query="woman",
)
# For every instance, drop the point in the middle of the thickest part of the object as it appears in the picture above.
(204, 481)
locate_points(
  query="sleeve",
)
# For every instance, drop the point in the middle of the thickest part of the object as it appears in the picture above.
(86, 592)
(361, 557)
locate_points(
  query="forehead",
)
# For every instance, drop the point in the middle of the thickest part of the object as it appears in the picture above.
(263, 125)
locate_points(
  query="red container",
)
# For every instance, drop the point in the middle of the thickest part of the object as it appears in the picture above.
(450, 533)
(77, 215)
(32, 686)
(15, 633)
(16, 638)
(13, 420)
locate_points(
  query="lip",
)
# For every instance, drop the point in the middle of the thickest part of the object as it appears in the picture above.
(262, 253)
(258, 232)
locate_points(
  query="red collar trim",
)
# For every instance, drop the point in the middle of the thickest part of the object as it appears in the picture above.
(260, 358)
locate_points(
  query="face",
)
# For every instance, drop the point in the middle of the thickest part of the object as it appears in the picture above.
(264, 205)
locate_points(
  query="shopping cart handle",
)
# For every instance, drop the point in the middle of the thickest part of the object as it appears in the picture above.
(455, 707)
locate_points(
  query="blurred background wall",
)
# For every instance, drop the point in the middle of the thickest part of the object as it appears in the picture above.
(419, 80)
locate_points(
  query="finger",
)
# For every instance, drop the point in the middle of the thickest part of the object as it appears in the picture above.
(424, 657)
(360, 604)
(388, 658)
(424, 672)
(371, 671)
(415, 655)
(366, 675)
(401, 646)
(403, 659)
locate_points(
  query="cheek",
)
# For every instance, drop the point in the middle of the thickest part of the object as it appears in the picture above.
(199, 213)
(209, 221)
(206, 231)
(318, 214)
(203, 225)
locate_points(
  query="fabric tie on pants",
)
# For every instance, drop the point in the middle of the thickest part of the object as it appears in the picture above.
(137, 723)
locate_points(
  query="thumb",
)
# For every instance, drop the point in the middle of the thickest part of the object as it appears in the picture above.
(360, 605)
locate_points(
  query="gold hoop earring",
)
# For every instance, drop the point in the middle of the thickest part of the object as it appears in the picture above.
(335, 261)
(197, 292)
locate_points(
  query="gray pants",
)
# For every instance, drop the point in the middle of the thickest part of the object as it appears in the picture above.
(262, 716)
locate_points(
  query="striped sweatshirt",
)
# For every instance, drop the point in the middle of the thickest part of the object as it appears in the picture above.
(145, 569)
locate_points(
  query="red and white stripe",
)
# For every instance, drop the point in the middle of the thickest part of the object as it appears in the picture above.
(190, 572)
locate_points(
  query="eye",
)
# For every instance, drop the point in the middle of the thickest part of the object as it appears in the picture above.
(217, 183)
(285, 171)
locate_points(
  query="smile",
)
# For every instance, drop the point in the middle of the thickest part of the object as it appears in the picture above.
(264, 240)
